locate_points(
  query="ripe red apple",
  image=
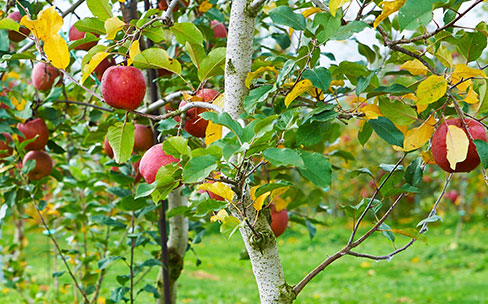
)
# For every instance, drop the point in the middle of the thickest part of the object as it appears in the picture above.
(16, 36)
(439, 147)
(75, 34)
(152, 160)
(452, 196)
(4, 146)
(194, 124)
(30, 129)
(43, 76)
(138, 175)
(279, 220)
(163, 5)
(143, 138)
(103, 66)
(108, 149)
(220, 31)
(123, 87)
(44, 164)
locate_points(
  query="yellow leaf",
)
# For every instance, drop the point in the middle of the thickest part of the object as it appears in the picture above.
(388, 9)
(88, 68)
(48, 23)
(421, 108)
(415, 67)
(219, 101)
(471, 97)
(301, 87)
(431, 89)
(219, 189)
(339, 83)
(220, 216)
(268, 7)
(253, 75)
(428, 158)
(462, 71)
(112, 26)
(280, 204)
(212, 133)
(465, 85)
(444, 56)
(402, 129)
(334, 5)
(205, 6)
(57, 52)
(133, 52)
(371, 111)
(457, 143)
(258, 202)
(20, 106)
(310, 11)
(417, 137)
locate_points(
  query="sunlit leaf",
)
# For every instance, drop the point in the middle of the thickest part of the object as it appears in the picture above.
(431, 89)
(388, 9)
(415, 67)
(112, 26)
(219, 189)
(301, 87)
(87, 69)
(457, 143)
(334, 5)
(417, 137)
(133, 52)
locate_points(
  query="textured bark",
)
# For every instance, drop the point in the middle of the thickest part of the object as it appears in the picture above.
(177, 243)
(262, 251)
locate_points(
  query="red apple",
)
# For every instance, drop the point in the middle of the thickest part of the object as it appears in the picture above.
(138, 175)
(452, 196)
(44, 164)
(108, 149)
(220, 31)
(143, 138)
(279, 220)
(163, 4)
(30, 129)
(75, 34)
(439, 146)
(16, 36)
(123, 87)
(43, 76)
(194, 124)
(4, 146)
(152, 160)
(103, 66)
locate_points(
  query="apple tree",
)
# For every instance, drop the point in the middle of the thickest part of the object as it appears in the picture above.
(247, 104)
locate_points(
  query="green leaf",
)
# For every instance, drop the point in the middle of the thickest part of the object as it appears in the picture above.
(196, 53)
(284, 15)
(367, 52)
(365, 133)
(198, 168)
(132, 204)
(144, 189)
(471, 45)
(209, 205)
(180, 210)
(100, 8)
(316, 169)
(103, 219)
(329, 25)
(414, 14)
(311, 229)
(156, 58)
(57, 274)
(103, 263)
(320, 78)
(225, 120)
(212, 64)
(257, 96)
(156, 34)
(283, 157)
(346, 31)
(177, 146)
(482, 148)
(270, 187)
(187, 32)
(311, 133)
(395, 90)
(398, 112)
(388, 234)
(431, 219)
(387, 130)
(229, 226)
(9, 24)
(91, 25)
(151, 289)
(413, 174)
(121, 139)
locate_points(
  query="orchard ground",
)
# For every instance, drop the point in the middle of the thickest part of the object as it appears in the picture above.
(445, 270)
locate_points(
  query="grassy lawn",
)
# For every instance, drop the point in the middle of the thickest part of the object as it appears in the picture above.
(444, 271)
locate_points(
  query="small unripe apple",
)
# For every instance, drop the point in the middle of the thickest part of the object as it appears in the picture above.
(108, 149)
(439, 146)
(220, 31)
(43, 76)
(194, 124)
(16, 36)
(103, 66)
(279, 220)
(32, 128)
(75, 34)
(143, 138)
(44, 164)
(5, 147)
(152, 160)
(123, 87)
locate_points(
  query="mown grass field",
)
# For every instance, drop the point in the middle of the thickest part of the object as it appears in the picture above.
(445, 270)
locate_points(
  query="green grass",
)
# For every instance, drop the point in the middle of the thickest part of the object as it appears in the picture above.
(444, 271)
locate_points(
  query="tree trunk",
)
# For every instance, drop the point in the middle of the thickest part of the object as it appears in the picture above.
(177, 244)
(262, 251)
